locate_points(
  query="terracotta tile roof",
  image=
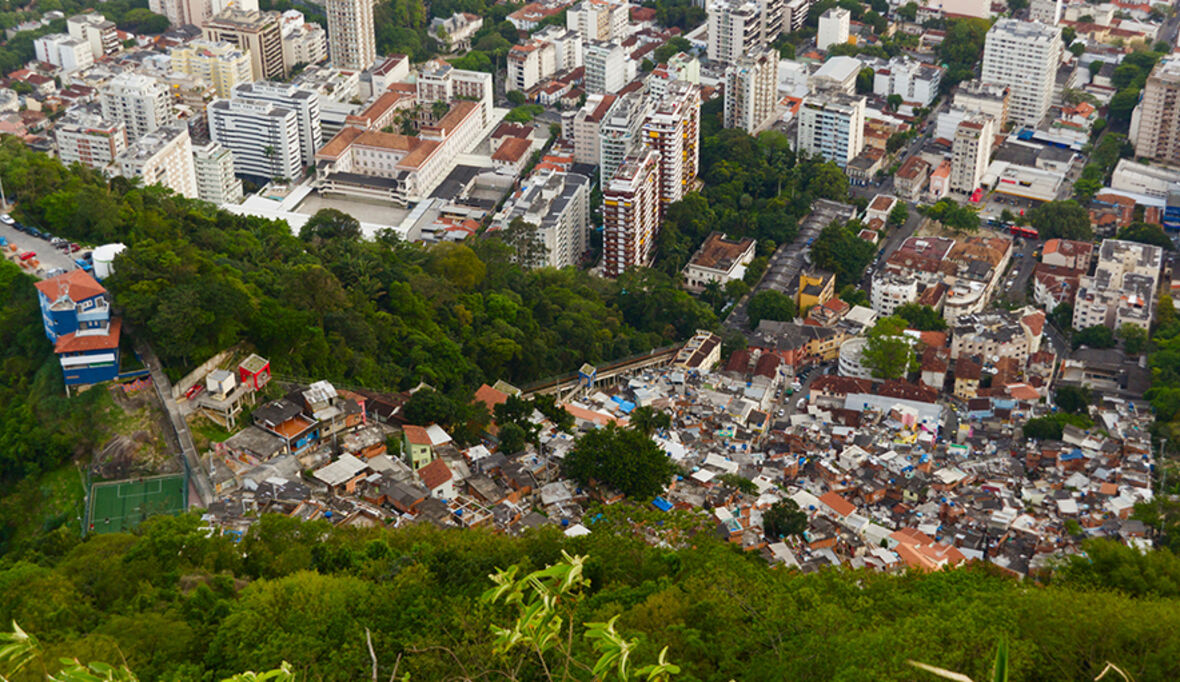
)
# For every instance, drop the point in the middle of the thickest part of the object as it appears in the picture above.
(512, 150)
(435, 474)
(72, 343)
(416, 435)
(838, 504)
(341, 141)
(78, 284)
(419, 153)
(490, 397)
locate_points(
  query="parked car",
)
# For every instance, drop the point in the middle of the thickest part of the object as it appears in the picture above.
(7, 220)
(55, 272)
(3, 241)
(193, 391)
(27, 255)
(74, 247)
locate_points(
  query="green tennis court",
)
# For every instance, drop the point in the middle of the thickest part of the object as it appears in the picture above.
(116, 506)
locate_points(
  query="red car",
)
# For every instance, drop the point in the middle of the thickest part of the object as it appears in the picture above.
(74, 248)
(28, 254)
(193, 391)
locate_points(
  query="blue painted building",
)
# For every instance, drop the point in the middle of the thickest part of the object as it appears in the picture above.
(76, 313)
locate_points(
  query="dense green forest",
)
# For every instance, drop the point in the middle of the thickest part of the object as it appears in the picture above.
(177, 604)
(380, 313)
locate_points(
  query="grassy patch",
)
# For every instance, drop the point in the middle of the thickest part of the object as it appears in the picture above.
(206, 432)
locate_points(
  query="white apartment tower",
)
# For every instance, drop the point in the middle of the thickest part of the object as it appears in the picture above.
(673, 129)
(833, 28)
(1045, 11)
(59, 49)
(735, 27)
(971, 152)
(618, 133)
(1023, 56)
(529, 63)
(751, 90)
(599, 19)
(98, 31)
(139, 101)
(304, 103)
(162, 157)
(831, 124)
(558, 204)
(631, 213)
(606, 67)
(263, 136)
(216, 182)
(352, 41)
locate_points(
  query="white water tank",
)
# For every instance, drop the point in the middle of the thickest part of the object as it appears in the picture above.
(104, 256)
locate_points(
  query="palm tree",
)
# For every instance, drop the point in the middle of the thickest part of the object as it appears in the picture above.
(647, 419)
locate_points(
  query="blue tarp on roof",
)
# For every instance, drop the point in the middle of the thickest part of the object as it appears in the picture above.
(625, 405)
(1070, 456)
(661, 504)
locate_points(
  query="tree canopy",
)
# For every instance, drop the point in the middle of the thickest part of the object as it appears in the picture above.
(1061, 220)
(176, 602)
(840, 250)
(626, 460)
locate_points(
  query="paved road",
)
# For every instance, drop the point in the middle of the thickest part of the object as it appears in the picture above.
(1015, 285)
(782, 272)
(892, 242)
(200, 487)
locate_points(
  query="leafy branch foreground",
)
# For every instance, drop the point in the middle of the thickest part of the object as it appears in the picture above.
(545, 601)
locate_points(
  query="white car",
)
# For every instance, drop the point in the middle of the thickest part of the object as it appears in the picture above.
(7, 220)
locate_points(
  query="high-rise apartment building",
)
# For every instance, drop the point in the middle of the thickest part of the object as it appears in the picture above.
(975, 95)
(139, 101)
(735, 28)
(606, 67)
(221, 64)
(257, 33)
(60, 49)
(834, 24)
(1045, 11)
(162, 157)
(558, 204)
(1122, 289)
(567, 47)
(751, 90)
(631, 213)
(971, 151)
(528, 63)
(84, 137)
(583, 126)
(832, 124)
(599, 19)
(673, 129)
(1023, 56)
(263, 136)
(98, 31)
(1155, 126)
(303, 41)
(618, 133)
(352, 42)
(214, 167)
(305, 104)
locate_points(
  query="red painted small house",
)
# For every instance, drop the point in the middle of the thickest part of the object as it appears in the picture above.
(254, 371)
